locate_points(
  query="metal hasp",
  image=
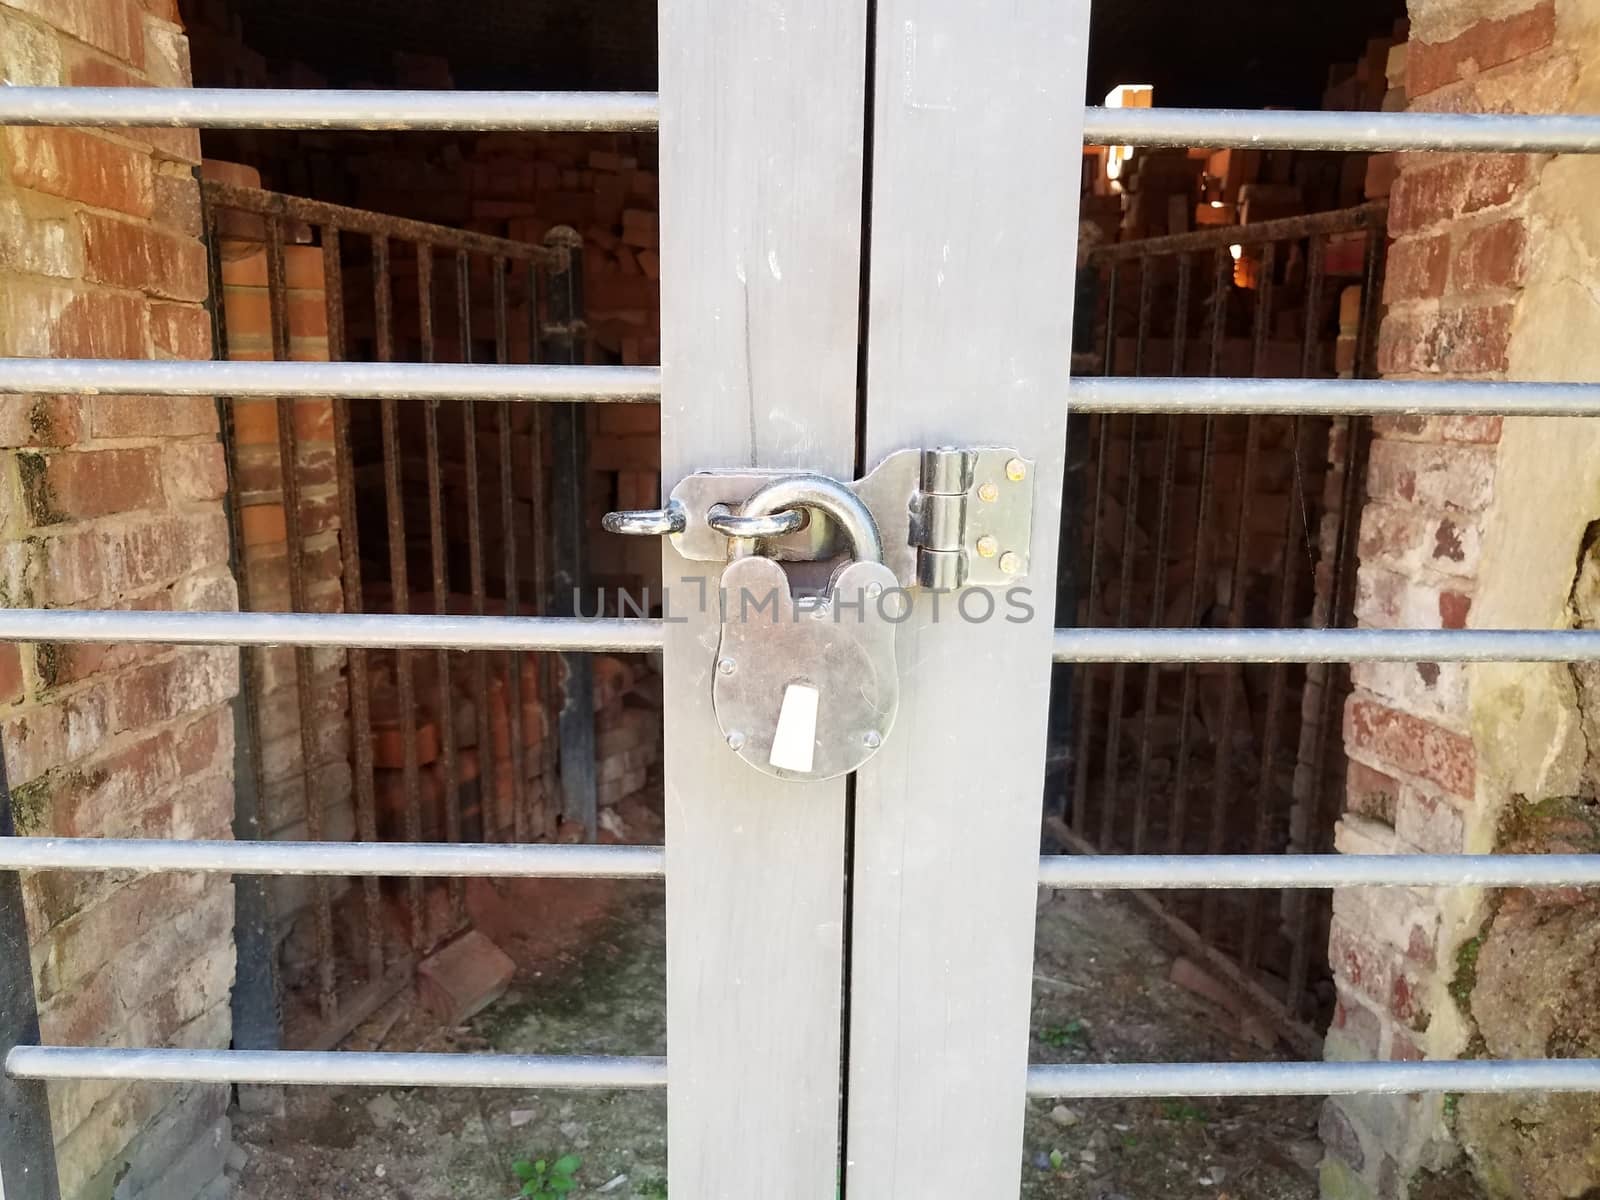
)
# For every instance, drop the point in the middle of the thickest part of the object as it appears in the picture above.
(806, 687)
(948, 518)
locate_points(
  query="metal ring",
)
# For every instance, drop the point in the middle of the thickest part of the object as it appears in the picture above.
(827, 496)
(722, 518)
(647, 522)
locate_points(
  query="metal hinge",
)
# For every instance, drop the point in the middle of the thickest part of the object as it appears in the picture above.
(947, 518)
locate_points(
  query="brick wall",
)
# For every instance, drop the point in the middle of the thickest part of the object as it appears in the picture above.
(1429, 750)
(115, 503)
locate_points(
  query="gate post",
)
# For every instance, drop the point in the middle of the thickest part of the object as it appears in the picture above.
(27, 1146)
(976, 142)
(762, 129)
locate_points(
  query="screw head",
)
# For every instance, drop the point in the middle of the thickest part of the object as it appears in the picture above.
(726, 666)
(1016, 470)
(988, 546)
(874, 590)
(988, 493)
(1011, 563)
(735, 740)
(872, 739)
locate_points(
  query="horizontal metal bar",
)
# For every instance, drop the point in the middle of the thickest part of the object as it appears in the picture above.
(333, 858)
(304, 108)
(1111, 872)
(1342, 220)
(365, 630)
(1324, 645)
(1364, 131)
(385, 381)
(345, 1068)
(1115, 1080)
(1331, 397)
(359, 220)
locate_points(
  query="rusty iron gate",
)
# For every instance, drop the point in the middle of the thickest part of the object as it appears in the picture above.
(869, 944)
(1197, 520)
(391, 290)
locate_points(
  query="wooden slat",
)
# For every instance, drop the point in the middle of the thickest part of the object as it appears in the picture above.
(761, 161)
(970, 324)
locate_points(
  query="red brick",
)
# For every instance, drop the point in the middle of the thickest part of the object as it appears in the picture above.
(1487, 44)
(1460, 341)
(1470, 428)
(1412, 745)
(115, 26)
(1453, 610)
(94, 483)
(1490, 258)
(1356, 1022)
(1417, 268)
(194, 471)
(57, 322)
(178, 202)
(10, 672)
(1357, 960)
(180, 331)
(151, 416)
(80, 166)
(41, 421)
(1371, 793)
(1428, 195)
(1495, 179)
(1430, 822)
(1430, 474)
(139, 257)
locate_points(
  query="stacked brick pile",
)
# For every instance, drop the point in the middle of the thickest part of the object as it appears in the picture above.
(115, 503)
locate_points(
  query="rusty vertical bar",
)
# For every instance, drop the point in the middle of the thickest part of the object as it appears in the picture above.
(1109, 366)
(254, 1002)
(1373, 270)
(399, 584)
(294, 555)
(441, 581)
(1202, 558)
(541, 562)
(1119, 672)
(568, 423)
(1158, 595)
(1091, 609)
(487, 783)
(1142, 327)
(508, 534)
(354, 601)
(1232, 674)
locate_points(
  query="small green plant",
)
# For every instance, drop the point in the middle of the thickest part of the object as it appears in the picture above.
(543, 1180)
(1182, 1110)
(653, 1189)
(1057, 1160)
(1074, 1035)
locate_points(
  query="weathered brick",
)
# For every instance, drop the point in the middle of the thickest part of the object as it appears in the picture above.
(41, 421)
(81, 166)
(1417, 268)
(1371, 793)
(151, 416)
(1413, 745)
(38, 238)
(115, 26)
(10, 672)
(77, 485)
(1454, 341)
(195, 471)
(1490, 258)
(1487, 44)
(180, 331)
(51, 321)
(140, 257)
(166, 56)
(1360, 963)
(1432, 475)
(1430, 821)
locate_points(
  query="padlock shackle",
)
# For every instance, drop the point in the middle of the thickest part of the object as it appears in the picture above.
(827, 496)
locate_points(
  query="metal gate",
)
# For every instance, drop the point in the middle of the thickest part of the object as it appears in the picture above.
(848, 961)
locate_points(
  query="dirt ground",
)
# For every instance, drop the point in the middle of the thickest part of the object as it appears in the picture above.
(1100, 994)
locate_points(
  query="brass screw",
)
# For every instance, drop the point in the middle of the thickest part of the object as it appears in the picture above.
(988, 547)
(1011, 563)
(1016, 470)
(988, 493)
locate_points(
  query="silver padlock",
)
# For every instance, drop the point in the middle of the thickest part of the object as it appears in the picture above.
(806, 687)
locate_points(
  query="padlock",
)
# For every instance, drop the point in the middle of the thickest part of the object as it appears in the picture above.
(806, 687)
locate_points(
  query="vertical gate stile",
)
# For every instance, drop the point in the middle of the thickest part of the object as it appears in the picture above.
(488, 778)
(968, 338)
(257, 1024)
(440, 569)
(569, 558)
(399, 581)
(354, 602)
(762, 136)
(294, 558)
(508, 535)
(542, 490)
